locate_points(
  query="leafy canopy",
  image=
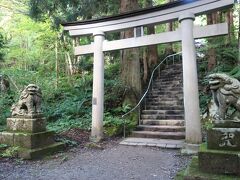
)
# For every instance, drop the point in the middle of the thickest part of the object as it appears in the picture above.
(71, 10)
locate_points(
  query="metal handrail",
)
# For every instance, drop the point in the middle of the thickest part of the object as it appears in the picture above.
(150, 81)
(149, 85)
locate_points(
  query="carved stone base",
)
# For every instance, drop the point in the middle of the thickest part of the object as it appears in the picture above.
(227, 124)
(192, 172)
(27, 140)
(224, 139)
(30, 136)
(32, 125)
(39, 152)
(218, 161)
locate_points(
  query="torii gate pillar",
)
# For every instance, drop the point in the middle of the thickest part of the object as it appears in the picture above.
(190, 81)
(98, 87)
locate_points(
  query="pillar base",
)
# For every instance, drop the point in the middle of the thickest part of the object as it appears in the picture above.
(95, 139)
(190, 148)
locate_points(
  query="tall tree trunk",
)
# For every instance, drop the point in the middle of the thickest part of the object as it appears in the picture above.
(211, 19)
(239, 36)
(57, 66)
(130, 62)
(145, 65)
(229, 18)
(169, 27)
(152, 50)
(150, 54)
(70, 64)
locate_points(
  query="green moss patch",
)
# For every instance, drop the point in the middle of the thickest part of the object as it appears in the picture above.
(193, 173)
(203, 148)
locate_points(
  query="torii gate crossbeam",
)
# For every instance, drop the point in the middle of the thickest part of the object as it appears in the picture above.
(185, 12)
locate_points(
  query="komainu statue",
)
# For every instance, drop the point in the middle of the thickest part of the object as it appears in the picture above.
(226, 93)
(29, 102)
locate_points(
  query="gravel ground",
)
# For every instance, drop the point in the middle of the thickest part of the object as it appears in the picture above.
(113, 162)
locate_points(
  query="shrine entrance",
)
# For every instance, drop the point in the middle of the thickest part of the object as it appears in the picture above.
(184, 12)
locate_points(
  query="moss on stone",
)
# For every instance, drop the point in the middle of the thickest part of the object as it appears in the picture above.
(192, 172)
(203, 148)
(40, 152)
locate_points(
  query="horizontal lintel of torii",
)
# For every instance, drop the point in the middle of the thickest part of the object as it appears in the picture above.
(166, 37)
(198, 7)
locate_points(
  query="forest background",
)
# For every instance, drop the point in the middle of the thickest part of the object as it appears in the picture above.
(34, 49)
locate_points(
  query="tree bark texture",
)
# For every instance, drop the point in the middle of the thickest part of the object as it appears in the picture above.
(130, 61)
(229, 18)
(239, 36)
(169, 27)
(211, 54)
(150, 54)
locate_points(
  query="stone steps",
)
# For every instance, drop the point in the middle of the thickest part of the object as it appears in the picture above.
(161, 128)
(180, 96)
(163, 115)
(159, 135)
(167, 108)
(151, 142)
(164, 83)
(165, 122)
(170, 85)
(163, 105)
(161, 92)
(152, 112)
(167, 101)
(163, 100)
(169, 79)
(159, 89)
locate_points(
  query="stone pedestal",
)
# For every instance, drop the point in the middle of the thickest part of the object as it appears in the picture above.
(226, 139)
(218, 158)
(219, 161)
(220, 154)
(30, 135)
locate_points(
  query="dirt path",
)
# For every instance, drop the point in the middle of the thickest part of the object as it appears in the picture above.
(114, 162)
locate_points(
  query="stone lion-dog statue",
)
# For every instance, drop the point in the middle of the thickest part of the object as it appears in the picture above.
(29, 102)
(226, 93)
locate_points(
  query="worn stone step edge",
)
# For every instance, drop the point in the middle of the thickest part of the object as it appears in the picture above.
(156, 134)
(162, 116)
(160, 128)
(161, 143)
(173, 122)
(162, 112)
(152, 107)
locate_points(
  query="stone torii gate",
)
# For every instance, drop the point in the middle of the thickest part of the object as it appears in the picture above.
(183, 11)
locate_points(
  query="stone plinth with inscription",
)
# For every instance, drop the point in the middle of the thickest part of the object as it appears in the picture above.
(26, 129)
(221, 152)
(219, 158)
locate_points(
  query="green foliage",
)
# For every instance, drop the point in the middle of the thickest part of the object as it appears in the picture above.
(64, 124)
(68, 10)
(31, 44)
(235, 73)
(6, 100)
(114, 93)
(204, 101)
(3, 146)
(2, 45)
(10, 152)
(69, 143)
(112, 125)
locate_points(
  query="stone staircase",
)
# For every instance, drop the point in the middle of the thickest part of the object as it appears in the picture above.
(163, 114)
